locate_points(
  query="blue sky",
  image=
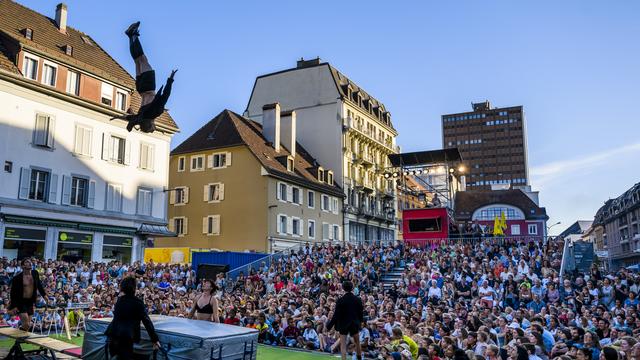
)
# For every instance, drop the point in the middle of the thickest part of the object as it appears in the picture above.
(572, 64)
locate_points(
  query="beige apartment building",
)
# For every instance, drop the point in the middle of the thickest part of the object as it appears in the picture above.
(241, 186)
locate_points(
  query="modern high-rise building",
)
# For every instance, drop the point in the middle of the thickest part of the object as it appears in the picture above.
(493, 145)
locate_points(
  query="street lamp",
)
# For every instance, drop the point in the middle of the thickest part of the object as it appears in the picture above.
(549, 227)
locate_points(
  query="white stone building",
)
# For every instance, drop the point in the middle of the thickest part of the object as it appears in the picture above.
(347, 130)
(74, 185)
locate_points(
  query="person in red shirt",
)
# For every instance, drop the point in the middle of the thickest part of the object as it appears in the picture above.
(232, 319)
(279, 285)
(291, 333)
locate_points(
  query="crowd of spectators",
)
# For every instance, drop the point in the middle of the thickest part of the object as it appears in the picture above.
(464, 300)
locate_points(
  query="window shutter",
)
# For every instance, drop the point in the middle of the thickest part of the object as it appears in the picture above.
(325, 231)
(91, 198)
(151, 157)
(127, 152)
(51, 131)
(206, 193)
(289, 193)
(186, 195)
(221, 191)
(186, 225)
(301, 227)
(172, 197)
(105, 146)
(25, 182)
(339, 233)
(278, 191)
(148, 202)
(77, 147)
(66, 190)
(53, 189)
(171, 225)
(209, 161)
(289, 225)
(216, 225)
(205, 225)
(330, 228)
(228, 159)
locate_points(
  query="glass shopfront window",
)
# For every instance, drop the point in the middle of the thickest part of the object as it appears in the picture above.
(117, 248)
(73, 246)
(24, 242)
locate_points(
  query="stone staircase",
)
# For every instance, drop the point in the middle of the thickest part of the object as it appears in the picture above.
(391, 277)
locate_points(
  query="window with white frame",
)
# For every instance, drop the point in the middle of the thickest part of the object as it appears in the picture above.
(290, 163)
(44, 130)
(181, 163)
(180, 195)
(295, 196)
(38, 185)
(114, 197)
(515, 229)
(330, 177)
(197, 163)
(79, 191)
(311, 199)
(282, 192)
(282, 224)
(533, 229)
(311, 229)
(211, 225)
(106, 95)
(217, 161)
(117, 149)
(82, 144)
(49, 74)
(180, 226)
(145, 196)
(336, 232)
(334, 205)
(326, 203)
(296, 226)
(214, 192)
(146, 156)
(326, 231)
(121, 100)
(30, 67)
(73, 82)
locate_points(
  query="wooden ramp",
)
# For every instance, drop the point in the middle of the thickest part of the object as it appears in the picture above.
(48, 347)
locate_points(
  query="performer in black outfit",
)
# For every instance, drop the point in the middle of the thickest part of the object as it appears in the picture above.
(24, 289)
(205, 306)
(347, 318)
(153, 103)
(124, 329)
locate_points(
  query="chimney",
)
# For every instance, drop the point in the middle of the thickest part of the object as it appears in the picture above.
(271, 124)
(61, 17)
(288, 129)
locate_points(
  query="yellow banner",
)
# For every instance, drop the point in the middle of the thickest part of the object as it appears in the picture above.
(167, 255)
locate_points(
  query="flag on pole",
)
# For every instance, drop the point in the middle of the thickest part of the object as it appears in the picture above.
(497, 227)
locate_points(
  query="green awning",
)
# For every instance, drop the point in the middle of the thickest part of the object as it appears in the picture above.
(69, 225)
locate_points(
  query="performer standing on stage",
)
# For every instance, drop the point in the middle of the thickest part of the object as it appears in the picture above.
(23, 293)
(153, 103)
(124, 329)
(347, 318)
(206, 305)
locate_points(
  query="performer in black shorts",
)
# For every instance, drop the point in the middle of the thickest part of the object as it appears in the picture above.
(24, 289)
(347, 318)
(153, 103)
(124, 329)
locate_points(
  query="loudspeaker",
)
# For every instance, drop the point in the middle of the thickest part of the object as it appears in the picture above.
(210, 271)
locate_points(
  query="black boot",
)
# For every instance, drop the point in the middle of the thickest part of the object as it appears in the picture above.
(133, 29)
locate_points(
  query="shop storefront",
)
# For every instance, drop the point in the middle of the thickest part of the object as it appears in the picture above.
(118, 248)
(21, 242)
(74, 246)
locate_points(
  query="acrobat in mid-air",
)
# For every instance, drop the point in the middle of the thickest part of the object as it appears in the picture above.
(153, 102)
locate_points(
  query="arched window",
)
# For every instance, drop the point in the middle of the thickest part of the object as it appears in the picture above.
(491, 211)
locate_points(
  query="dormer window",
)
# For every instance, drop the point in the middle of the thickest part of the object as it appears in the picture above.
(330, 177)
(68, 49)
(290, 164)
(28, 33)
(320, 174)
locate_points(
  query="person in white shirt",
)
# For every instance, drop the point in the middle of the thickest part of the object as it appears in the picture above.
(435, 292)
(487, 294)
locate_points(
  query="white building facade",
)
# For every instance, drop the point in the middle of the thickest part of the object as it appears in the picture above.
(347, 130)
(74, 185)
